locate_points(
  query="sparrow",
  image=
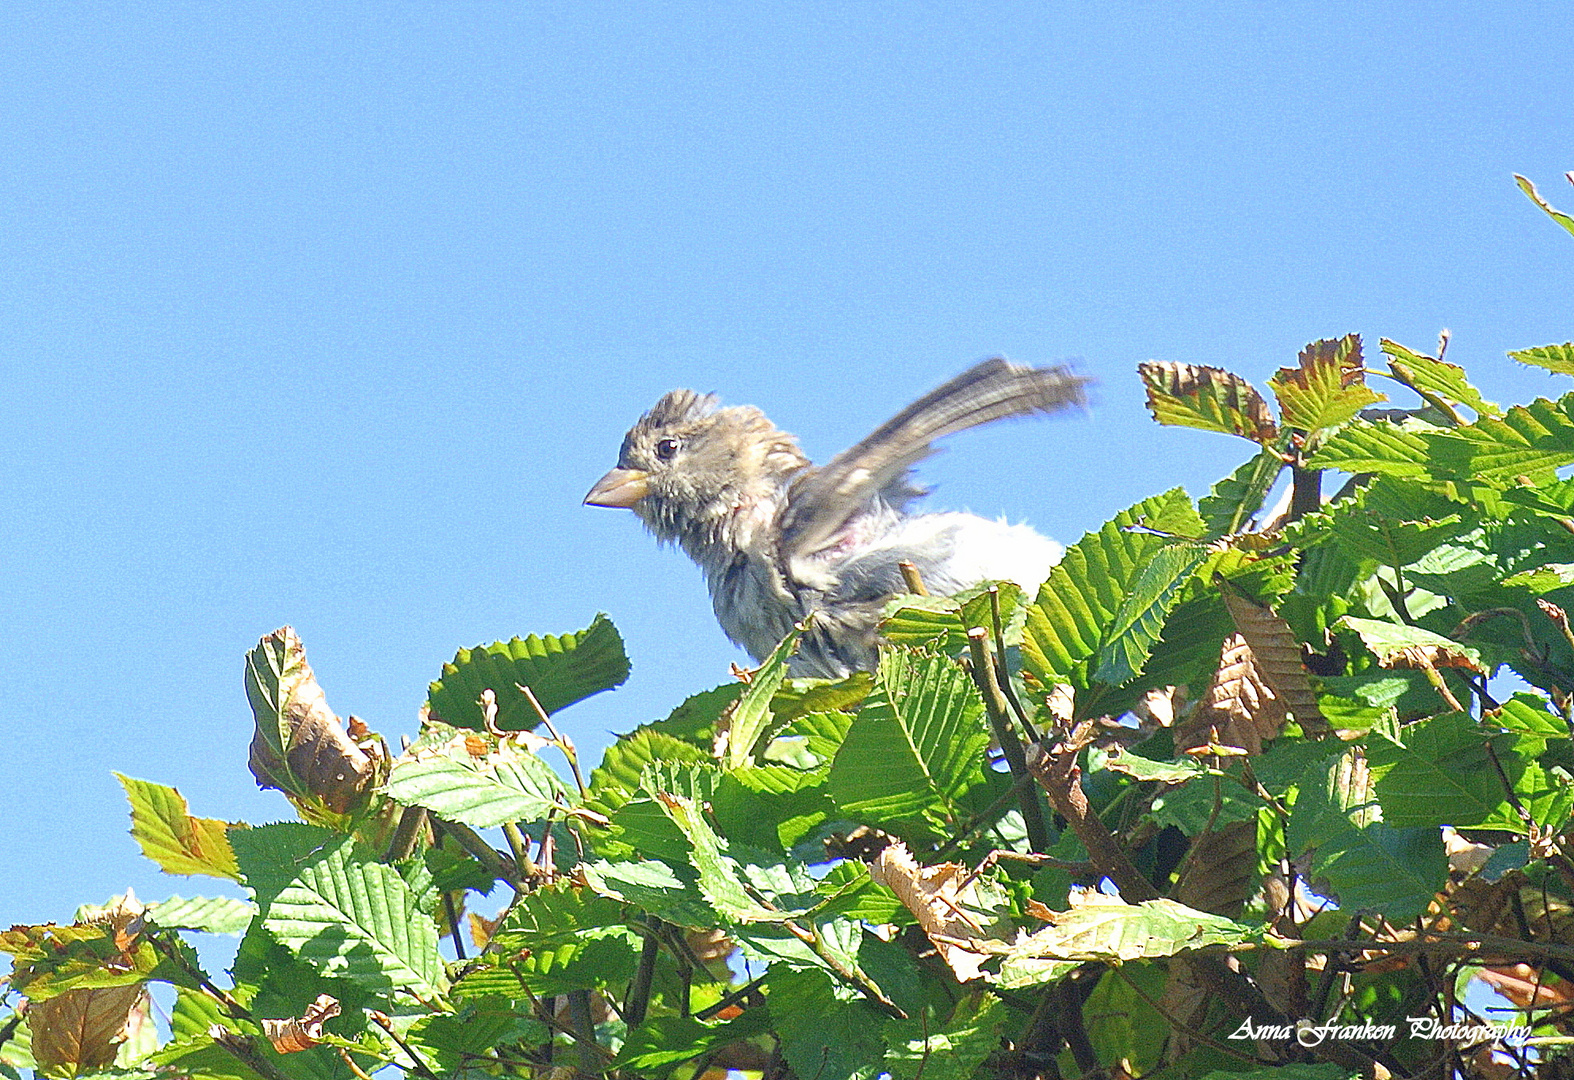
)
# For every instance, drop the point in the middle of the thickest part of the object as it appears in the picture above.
(780, 539)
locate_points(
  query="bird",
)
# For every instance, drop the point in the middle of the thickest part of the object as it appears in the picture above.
(780, 540)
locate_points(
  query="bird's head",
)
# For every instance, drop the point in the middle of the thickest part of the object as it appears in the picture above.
(691, 469)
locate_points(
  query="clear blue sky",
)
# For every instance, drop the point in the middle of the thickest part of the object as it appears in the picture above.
(329, 315)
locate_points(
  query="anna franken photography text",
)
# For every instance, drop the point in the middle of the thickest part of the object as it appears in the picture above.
(1307, 1033)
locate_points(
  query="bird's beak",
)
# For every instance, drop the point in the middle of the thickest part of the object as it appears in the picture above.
(620, 489)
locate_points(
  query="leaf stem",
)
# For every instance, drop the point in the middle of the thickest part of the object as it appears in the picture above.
(996, 704)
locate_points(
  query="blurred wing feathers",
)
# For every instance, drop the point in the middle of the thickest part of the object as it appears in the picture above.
(824, 500)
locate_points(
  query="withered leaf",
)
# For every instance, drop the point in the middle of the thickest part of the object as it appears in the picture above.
(302, 1032)
(1211, 398)
(81, 1030)
(301, 747)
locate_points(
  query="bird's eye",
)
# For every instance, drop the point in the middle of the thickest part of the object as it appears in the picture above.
(666, 448)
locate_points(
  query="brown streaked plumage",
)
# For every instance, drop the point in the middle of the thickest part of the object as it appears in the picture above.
(778, 538)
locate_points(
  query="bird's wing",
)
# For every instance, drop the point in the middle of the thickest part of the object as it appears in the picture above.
(824, 500)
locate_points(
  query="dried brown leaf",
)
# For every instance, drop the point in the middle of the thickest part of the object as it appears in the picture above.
(81, 1030)
(302, 1032)
(1240, 708)
(320, 757)
(1221, 874)
(935, 896)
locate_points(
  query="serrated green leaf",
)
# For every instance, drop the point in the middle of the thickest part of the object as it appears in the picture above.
(1383, 447)
(563, 938)
(1075, 606)
(825, 1032)
(1543, 579)
(1397, 645)
(1448, 771)
(1436, 376)
(694, 720)
(172, 838)
(925, 1048)
(1165, 772)
(1528, 440)
(1535, 196)
(1211, 398)
(1232, 502)
(916, 746)
(559, 670)
(1528, 714)
(508, 784)
(722, 880)
(347, 914)
(1132, 633)
(210, 914)
(1558, 358)
(664, 1041)
(1327, 388)
(1100, 927)
(615, 780)
(750, 726)
(1380, 868)
(671, 893)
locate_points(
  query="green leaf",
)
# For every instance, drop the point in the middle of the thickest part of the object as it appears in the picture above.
(508, 784)
(1088, 587)
(1131, 635)
(1445, 774)
(654, 887)
(1543, 579)
(342, 911)
(663, 1041)
(1380, 868)
(616, 779)
(916, 746)
(923, 1048)
(1100, 927)
(825, 1032)
(694, 720)
(1165, 772)
(559, 938)
(1527, 714)
(172, 838)
(941, 623)
(722, 880)
(1436, 376)
(1327, 388)
(559, 670)
(1232, 502)
(1558, 358)
(210, 914)
(1528, 440)
(1535, 196)
(1398, 646)
(1211, 398)
(1382, 446)
(750, 725)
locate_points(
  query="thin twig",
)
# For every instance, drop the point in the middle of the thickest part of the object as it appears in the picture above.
(737, 996)
(637, 1000)
(406, 833)
(579, 1014)
(995, 705)
(521, 851)
(416, 1060)
(1002, 674)
(912, 578)
(453, 926)
(563, 744)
